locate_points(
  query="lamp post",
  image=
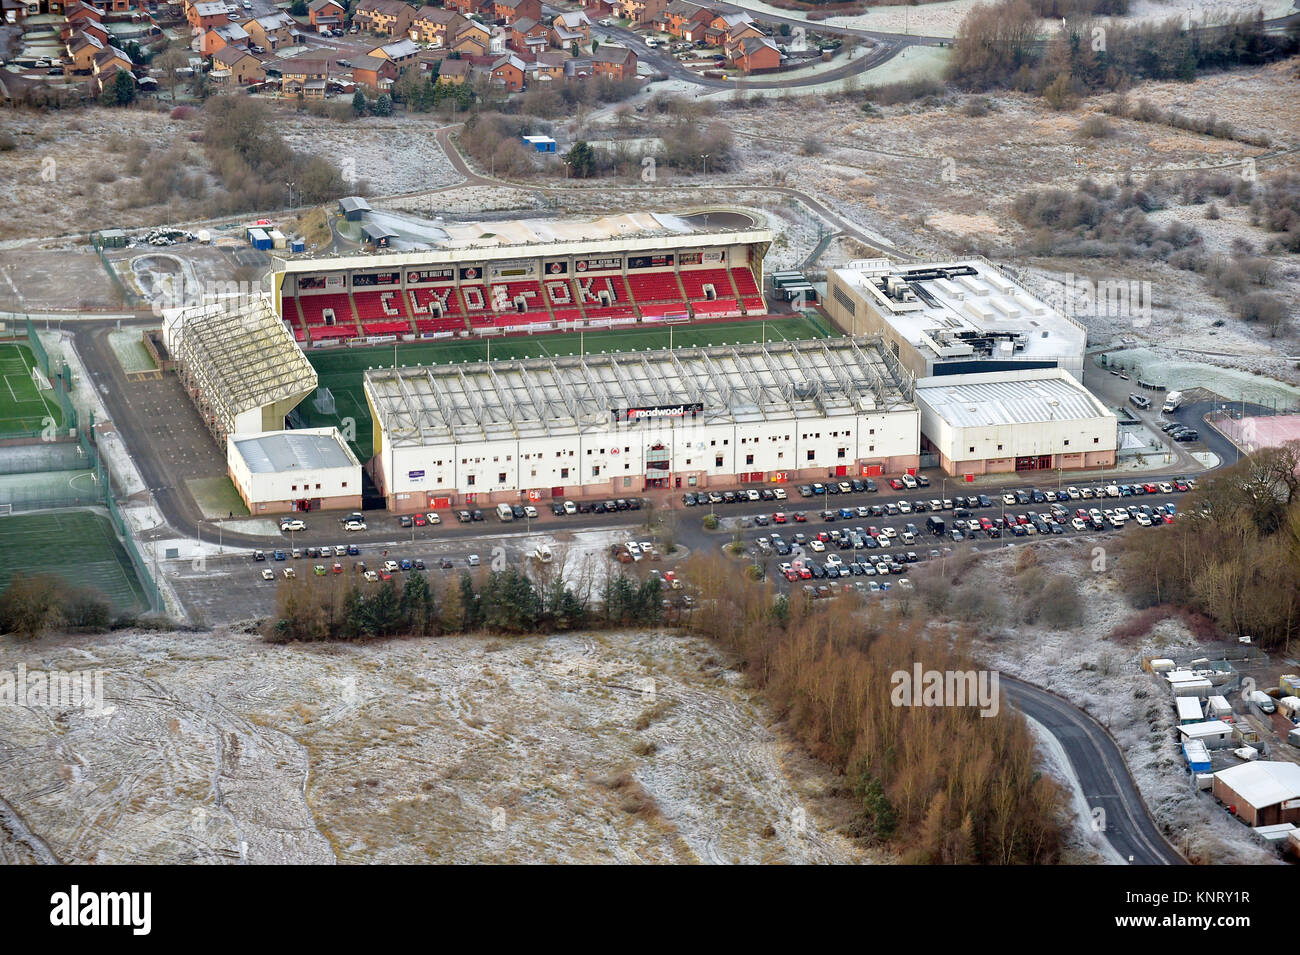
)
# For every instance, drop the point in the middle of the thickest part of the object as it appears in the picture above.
(704, 157)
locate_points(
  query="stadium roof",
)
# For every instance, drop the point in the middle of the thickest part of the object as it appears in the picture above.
(1263, 783)
(244, 356)
(958, 309)
(449, 242)
(438, 404)
(1008, 398)
(277, 451)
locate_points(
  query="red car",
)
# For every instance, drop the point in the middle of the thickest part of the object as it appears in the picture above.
(800, 517)
(986, 524)
(1151, 488)
(1168, 518)
(778, 517)
(823, 536)
(419, 520)
(1180, 485)
(804, 572)
(896, 484)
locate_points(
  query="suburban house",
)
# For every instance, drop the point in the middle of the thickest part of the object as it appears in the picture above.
(83, 13)
(466, 7)
(454, 72)
(207, 16)
(616, 62)
(232, 34)
(528, 36)
(374, 72)
(400, 51)
(325, 13)
(82, 50)
(432, 24)
(508, 72)
(644, 11)
(243, 67)
(754, 54)
(684, 20)
(272, 31)
(107, 76)
(570, 28)
(385, 17)
(508, 11)
(88, 27)
(547, 66)
(110, 58)
(472, 38)
(299, 71)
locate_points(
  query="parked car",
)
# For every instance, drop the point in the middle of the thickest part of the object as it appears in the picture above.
(292, 524)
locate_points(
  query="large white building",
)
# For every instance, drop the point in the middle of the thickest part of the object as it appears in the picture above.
(954, 318)
(615, 425)
(1008, 421)
(279, 471)
(1024, 420)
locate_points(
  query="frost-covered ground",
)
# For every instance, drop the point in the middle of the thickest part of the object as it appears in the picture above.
(1105, 678)
(613, 747)
(392, 155)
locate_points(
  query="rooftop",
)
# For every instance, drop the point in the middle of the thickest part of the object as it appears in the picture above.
(278, 451)
(433, 404)
(512, 238)
(963, 310)
(1008, 398)
(246, 356)
(1263, 783)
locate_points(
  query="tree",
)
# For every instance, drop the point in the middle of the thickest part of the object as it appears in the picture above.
(419, 613)
(121, 92)
(171, 63)
(29, 606)
(574, 48)
(581, 160)
(359, 103)
(298, 8)
(384, 105)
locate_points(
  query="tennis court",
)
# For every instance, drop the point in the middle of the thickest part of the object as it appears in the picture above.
(341, 371)
(23, 406)
(76, 545)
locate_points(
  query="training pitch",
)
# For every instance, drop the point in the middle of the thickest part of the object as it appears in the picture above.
(23, 407)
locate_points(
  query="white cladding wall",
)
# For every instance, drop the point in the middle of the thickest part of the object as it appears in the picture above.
(279, 486)
(1018, 440)
(597, 457)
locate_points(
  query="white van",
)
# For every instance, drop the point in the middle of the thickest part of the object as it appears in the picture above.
(504, 513)
(542, 554)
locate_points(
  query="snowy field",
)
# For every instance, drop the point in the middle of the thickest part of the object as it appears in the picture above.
(621, 747)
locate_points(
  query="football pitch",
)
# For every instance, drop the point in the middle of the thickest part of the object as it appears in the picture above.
(75, 545)
(23, 406)
(341, 371)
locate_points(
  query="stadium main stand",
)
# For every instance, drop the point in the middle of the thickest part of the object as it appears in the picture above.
(379, 306)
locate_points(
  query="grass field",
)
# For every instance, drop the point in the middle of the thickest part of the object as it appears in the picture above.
(23, 407)
(341, 370)
(75, 545)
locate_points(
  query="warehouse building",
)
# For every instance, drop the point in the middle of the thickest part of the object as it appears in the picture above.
(239, 365)
(1261, 793)
(620, 424)
(1007, 421)
(954, 318)
(280, 471)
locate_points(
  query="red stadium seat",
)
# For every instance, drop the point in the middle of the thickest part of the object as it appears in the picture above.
(653, 287)
(315, 307)
(695, 281)
(380, 306)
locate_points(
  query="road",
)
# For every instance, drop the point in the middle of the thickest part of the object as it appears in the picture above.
(1102, 773)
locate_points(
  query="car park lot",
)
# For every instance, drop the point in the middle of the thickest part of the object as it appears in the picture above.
(886, 521)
